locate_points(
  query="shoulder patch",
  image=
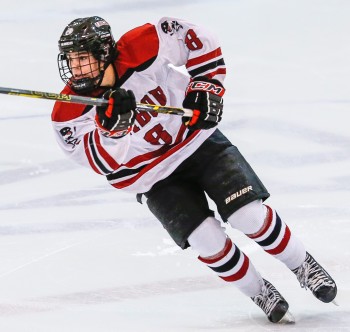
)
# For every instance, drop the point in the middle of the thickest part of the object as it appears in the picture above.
(136, 48)
(170, 27)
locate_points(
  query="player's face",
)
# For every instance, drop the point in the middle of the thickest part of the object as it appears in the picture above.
(83, 65)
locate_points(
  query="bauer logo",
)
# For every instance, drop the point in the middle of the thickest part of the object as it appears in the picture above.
(238, 194)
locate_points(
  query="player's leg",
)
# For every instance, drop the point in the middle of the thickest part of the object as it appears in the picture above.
(182, 208)
(217, 251)
(262, 224)
(238, 194)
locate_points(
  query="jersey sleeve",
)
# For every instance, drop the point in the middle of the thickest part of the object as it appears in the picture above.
(186, 44)
(76, 133)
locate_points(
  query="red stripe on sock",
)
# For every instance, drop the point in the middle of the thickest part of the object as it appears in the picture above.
(241, 272)
(218, 256)
(266, 226)
(282, 245)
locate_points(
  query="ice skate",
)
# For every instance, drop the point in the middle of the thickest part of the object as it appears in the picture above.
(313, 276)
(273, 304)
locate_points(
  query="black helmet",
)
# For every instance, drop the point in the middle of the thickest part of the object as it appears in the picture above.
(92, 35)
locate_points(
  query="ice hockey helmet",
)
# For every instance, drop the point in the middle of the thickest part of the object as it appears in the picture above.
(91, 34)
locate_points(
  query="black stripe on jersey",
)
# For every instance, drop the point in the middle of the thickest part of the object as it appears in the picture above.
(121, 80)
(231, 263)
(124, 172)
(274, 235)
(87, 109)
(211, 65)
(95, 157)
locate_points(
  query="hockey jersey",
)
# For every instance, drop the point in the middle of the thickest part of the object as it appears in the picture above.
(156, 62)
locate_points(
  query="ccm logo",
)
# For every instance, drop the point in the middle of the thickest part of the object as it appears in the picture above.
(237, 194)
(207, 87)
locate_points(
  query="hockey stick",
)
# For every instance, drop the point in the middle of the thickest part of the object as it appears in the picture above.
(93, 101)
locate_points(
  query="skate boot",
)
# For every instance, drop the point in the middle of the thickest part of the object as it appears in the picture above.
(273, 304)
(313, 276)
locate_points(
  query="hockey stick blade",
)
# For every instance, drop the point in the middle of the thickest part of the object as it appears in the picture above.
(92, 101)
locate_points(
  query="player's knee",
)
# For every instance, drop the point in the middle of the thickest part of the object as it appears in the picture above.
(249, 218)
(208, 238)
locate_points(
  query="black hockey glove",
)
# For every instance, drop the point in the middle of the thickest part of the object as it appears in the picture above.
(116, 118)
(204, 97)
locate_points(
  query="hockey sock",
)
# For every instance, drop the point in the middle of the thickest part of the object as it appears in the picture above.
(276, 239)
(262, 224)
(232, 265)
(217, 251)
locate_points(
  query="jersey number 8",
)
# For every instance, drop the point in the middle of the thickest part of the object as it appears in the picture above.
(192, 41)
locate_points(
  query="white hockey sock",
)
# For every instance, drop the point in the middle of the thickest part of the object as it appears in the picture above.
(262, 224)
(216, 250)
(276, 239)
(232, 265)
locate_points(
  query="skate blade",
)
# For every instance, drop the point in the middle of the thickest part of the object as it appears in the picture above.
(288, 318)
(335, 303)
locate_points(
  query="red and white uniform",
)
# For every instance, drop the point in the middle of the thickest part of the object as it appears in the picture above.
(158, 143)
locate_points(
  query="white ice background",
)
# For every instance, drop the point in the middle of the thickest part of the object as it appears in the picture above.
(77, 255)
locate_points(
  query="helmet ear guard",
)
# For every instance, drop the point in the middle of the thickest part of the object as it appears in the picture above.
(92, 35)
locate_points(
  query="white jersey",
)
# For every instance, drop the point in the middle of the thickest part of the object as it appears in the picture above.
(158, 143)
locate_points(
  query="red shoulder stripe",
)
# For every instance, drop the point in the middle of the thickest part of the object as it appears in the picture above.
(66, 111)
(136, 47)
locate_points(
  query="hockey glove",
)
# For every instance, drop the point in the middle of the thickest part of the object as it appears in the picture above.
(204, 97)
(116, 119)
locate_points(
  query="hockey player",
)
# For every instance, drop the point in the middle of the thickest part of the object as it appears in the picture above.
(175, 161)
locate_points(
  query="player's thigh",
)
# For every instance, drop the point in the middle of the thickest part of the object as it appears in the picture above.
(231, 182)
(181, 207)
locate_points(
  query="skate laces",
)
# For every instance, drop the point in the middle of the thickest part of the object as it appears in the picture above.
(267, 299)
(311, 275)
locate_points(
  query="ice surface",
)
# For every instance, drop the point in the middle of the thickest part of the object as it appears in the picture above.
(76, 255)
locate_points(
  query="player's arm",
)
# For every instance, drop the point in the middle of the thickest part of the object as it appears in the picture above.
(198, 50)
(192, 46)
(88, 143)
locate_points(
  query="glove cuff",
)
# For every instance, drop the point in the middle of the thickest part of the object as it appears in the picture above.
(111, 133)
(207, 85)
(207, 79)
